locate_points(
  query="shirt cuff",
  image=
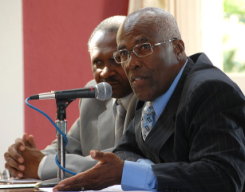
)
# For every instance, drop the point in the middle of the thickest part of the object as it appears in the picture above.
(40, 166)
(138, 176)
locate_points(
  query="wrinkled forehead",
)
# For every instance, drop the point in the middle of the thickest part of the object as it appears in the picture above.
(103, 39)
(136, 30)
(134, 35)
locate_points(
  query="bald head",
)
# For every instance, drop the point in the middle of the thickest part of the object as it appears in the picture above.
(161, 22)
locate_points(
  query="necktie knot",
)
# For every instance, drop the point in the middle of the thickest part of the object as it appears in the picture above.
(147, 119)
(148, 108)
(119, 107)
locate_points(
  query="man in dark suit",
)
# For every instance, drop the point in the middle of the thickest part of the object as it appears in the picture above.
(188, 130)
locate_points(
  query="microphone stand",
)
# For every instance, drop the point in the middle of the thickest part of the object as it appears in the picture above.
(62, 124)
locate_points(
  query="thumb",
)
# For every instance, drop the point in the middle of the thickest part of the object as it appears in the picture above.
(102, 156)
(29, 141)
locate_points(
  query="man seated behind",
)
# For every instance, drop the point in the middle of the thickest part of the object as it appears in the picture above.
(95, 127)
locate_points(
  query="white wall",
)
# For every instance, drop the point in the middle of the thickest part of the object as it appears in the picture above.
(11, 74)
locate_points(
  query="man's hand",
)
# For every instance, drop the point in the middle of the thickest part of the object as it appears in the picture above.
(22, 158)
(107, 172)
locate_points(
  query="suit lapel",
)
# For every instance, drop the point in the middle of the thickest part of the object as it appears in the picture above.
(106, 118)
(130, 112)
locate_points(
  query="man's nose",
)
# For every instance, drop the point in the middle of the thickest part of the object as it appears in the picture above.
(106, 72)
(133, 62)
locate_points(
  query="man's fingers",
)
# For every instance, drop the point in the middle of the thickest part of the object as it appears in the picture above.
(13, 163)
(102, 156)
(69, 183)
(107, 172)
(10, 161)
(62, 187)
(19, 145)
(14, 152)
(13, 172)
(29, 140)
(24, 136)
(97, 155)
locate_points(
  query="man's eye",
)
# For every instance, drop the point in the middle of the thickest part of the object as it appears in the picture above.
(123, 53)
(145, 46)
(112, 61)
(98, 63)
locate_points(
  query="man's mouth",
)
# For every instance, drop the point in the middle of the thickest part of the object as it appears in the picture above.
(138, 80)
(113, 83)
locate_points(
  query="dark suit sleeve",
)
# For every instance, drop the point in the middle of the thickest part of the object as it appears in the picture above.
(127, 149)
(211, 123)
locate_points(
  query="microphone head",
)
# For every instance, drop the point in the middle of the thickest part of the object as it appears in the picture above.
(103, 91)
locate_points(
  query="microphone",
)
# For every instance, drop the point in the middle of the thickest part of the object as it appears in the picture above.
(101, 91)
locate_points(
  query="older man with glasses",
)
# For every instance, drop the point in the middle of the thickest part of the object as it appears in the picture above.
(188, 130)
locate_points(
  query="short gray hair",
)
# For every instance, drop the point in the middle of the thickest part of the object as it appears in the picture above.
(165, 23)
(110, 24)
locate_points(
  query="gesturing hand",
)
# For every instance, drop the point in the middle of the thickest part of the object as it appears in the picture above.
(107, 172)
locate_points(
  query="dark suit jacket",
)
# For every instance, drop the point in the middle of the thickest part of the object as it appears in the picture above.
(198, 142)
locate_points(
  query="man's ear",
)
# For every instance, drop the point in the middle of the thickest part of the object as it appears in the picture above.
(179, 48)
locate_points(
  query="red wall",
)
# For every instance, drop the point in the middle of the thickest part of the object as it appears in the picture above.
(55, 53)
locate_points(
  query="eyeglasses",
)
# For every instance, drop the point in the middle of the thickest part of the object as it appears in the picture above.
(140, 50)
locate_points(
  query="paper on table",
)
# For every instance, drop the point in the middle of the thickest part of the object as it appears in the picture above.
(111, 188)
(12, 180)
(15, 186)
(51, 190)
(115, 188)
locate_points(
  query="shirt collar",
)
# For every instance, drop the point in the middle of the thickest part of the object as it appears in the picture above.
(124, 101)
(160, 103)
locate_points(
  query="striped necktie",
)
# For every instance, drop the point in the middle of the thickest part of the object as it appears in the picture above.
(147, 119)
